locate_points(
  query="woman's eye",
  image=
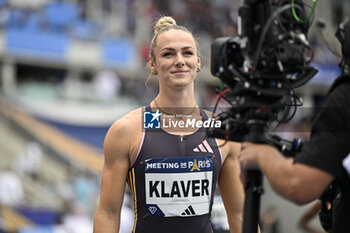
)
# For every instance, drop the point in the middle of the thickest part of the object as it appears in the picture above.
(189, 53)
(167, 54)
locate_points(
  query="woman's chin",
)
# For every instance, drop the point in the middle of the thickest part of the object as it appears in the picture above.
(182, 82)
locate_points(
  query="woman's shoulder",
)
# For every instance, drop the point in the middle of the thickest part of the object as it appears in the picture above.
(129, 123)
(134, 115)
(123, 137)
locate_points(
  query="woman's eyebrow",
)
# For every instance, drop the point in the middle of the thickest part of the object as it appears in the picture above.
(187, 47)
(172, 49)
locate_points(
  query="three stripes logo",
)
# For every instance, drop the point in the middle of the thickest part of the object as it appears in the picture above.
(189, 211)
(203, 147)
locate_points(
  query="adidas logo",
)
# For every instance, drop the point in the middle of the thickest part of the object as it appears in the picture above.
(203, 147)
(188, 211)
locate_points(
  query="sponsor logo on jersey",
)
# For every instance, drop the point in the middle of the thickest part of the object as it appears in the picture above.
(188, 211)
(204, 147)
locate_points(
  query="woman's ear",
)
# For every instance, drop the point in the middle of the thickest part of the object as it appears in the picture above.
(199, 62)
(152, 66)
(150, 63)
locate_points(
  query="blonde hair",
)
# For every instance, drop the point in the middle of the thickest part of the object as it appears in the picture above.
(163, 24)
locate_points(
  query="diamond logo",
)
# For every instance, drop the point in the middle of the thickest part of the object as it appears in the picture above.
(152, 209)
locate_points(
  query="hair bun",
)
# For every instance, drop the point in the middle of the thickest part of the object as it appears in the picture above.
(164, 22)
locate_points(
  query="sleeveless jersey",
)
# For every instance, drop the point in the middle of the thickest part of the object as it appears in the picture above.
(173, 180)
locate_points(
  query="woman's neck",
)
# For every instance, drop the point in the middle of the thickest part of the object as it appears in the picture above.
(175, 101)
(177, 105)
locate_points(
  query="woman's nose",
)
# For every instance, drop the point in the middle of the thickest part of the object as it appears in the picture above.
(179, 61)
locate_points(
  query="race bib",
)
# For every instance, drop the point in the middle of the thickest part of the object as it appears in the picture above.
(180, 187)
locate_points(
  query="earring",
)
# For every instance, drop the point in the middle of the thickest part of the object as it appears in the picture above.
(199, 69)
(154, 72)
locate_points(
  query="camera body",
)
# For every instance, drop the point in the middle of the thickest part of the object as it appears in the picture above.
(262, 66)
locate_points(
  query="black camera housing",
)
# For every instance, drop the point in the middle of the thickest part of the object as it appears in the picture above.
(262, 66)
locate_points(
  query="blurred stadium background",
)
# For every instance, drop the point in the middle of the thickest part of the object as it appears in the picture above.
(69, 68)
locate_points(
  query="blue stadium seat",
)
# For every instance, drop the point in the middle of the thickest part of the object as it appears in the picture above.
(61, 15)
(41, 44)
(85, 30)
(118, 52)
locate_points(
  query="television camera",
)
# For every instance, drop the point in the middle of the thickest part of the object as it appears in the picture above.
(262, 67)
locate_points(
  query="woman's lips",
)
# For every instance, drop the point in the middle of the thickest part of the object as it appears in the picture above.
(179, 71)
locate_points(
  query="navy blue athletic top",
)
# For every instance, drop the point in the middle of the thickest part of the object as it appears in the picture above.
(173, 180)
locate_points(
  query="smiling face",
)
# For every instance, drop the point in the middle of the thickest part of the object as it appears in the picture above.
(175, 58)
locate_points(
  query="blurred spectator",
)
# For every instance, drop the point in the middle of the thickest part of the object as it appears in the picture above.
(218, 215)
(107, 85)
(65, 190)
(126, 216)
(11, 189)
(29, 161)
(85, 193)
(76, 222)
(215, 18)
